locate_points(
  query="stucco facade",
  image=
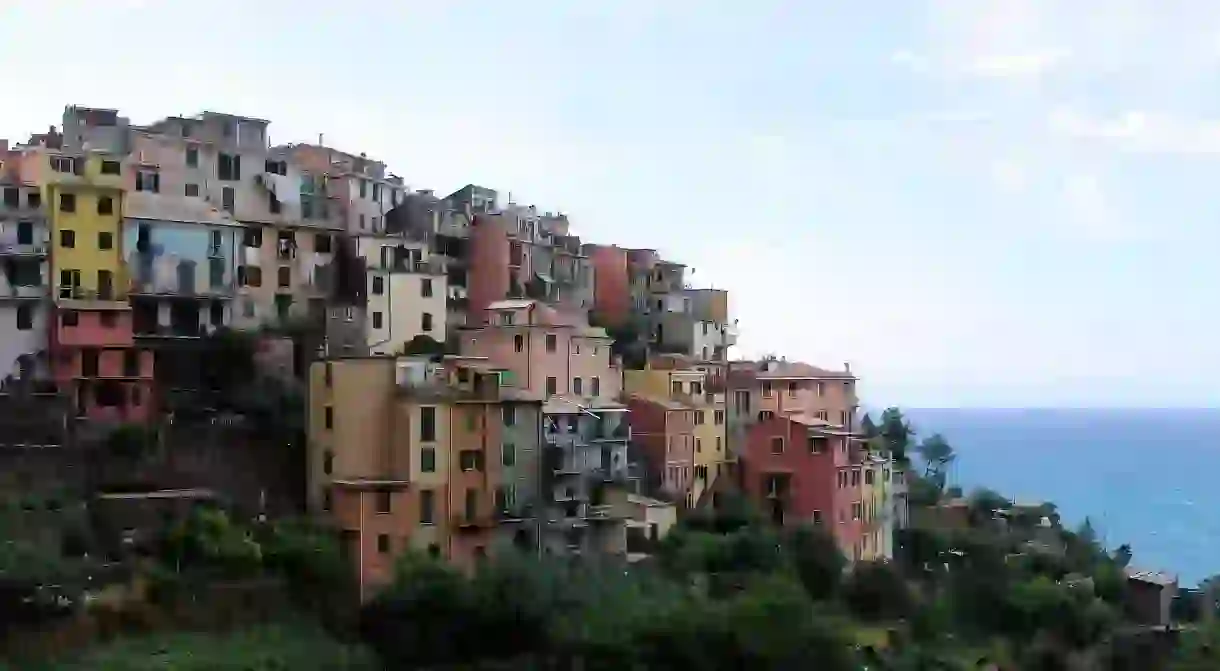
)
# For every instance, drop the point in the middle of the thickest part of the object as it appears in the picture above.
(446, 457)
(798, 470)
(758, 390)
(24, 242)
(407, 290)
(677, 381)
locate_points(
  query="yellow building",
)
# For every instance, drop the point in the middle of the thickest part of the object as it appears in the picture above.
(83, 193)
(877, 535)
(675, 378)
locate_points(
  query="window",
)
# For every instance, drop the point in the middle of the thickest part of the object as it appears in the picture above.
(273, 204)
(25, 233)
(519, 343)
(70, 318)
(868, 477)
(718, 417)
(766, 389)
(321, 243)
(284, 276)
(228, 199)
(792, 386)
(509, 414)
(506, 318)
(383, 543)
(508, 454)
(105, 205)
(376, 320)
(105, 240)
(427, 459)
(67, 239)
(63, 164)
(470, 460)
(777, 445)
(25, 317)
(425, 288)
(329, 417)
(364, 188)
(12, 197)
(216, 273)
(250, 276)
(817, 517)
(89, 358)
(764, 415)
(857, 511)
(427, 424)
(819, 388)
(252, 237)
(699, 418)
(326, 499)
(551, 342)
(817, 445)
(131, 363)
(228, 167)
(378, 286)
(577, 386)
(328, 462)
(426, 503)
(147, 180)
(855, 478)
(552, 386)
(426, 321)
(34, 199)
(192, 157)
(384, 501)
(595, 386)
(67, 202)
(675, 387)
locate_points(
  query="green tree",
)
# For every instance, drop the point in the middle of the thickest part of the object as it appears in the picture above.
(897, 433)
(875, 591)
(937, 455)
(816, 557)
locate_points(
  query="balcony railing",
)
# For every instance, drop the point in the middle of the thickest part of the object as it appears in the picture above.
(22, 292)
(23, 249)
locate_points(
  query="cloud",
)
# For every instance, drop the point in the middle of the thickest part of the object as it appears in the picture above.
(1089, 209)
(1008, 175)
(1138, 131)
(997, 66)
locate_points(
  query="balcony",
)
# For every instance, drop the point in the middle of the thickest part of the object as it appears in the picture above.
(21, 292)
(31, 249)
(474, 522)
(606, 432)
(80, 298)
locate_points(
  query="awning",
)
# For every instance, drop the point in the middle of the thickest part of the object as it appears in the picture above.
(545, 278)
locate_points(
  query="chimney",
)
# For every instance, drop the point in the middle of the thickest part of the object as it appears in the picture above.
(847, 366)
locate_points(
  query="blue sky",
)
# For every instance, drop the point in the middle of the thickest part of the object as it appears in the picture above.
(982, 203)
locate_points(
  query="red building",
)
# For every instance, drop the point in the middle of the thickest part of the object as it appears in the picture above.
(611, 284)
(799, 469)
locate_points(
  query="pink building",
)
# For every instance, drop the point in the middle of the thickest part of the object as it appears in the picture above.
(546, 353)
(94, 359)
(496, 266)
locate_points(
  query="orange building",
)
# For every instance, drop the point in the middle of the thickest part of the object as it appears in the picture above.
(406, 453)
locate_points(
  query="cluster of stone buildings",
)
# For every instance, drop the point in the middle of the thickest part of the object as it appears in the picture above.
(124, 246)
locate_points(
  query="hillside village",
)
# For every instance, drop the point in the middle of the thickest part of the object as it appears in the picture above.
(196, 319)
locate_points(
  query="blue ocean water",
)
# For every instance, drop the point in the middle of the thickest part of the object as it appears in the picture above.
(1150, 478)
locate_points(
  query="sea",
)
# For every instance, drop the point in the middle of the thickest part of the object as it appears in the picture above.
(1147, 477)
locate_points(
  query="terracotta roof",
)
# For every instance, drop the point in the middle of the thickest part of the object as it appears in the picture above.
(787, 369)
